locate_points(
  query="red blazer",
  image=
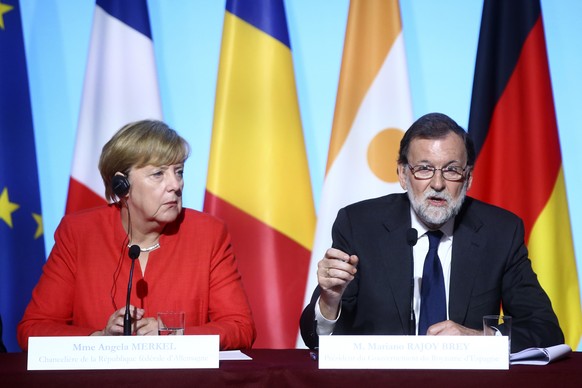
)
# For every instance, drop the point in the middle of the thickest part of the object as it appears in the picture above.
(85, 279)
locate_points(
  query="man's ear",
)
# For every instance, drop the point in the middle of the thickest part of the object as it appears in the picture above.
(469, 178)
(401, 171)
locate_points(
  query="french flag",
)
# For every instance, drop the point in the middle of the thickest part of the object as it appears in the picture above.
(120, 86)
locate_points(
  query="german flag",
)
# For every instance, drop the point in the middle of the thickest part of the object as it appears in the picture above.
(519, 163)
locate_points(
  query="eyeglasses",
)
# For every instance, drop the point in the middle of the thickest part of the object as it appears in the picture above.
(449, 173)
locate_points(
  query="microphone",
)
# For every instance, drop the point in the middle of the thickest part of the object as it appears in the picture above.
(411, 239)
(134, 252)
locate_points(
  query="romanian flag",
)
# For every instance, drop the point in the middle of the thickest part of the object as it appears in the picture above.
(373, 109)
(120, 86)
(22, 253)
(519, 163)
(258, 177)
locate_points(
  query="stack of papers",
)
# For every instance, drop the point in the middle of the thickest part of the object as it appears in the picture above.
(539, 356)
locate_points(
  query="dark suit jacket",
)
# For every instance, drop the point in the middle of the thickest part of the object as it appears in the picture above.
(489, 268)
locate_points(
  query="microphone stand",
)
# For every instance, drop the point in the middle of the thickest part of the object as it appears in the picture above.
(134, 252)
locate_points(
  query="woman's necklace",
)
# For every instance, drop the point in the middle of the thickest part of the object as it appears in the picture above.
(148, 249)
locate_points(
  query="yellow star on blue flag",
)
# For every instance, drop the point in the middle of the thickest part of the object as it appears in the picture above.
(3, 9)
(6, 207)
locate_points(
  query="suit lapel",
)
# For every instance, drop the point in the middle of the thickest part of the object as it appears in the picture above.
(397, 256)
(396, 263)
(466, 256)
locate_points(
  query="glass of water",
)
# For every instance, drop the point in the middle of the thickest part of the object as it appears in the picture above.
(498, 325)
(171, 323)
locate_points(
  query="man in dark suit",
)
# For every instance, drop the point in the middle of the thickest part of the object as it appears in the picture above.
(370, 280)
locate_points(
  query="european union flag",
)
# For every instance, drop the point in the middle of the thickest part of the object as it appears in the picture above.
(22, 253)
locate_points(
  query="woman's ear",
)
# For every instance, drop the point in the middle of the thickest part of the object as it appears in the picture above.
(120, 185)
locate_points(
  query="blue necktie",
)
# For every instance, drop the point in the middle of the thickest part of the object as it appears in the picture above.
(433, 304)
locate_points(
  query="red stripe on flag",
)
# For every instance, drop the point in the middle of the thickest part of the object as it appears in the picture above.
(274, 273)
(521, 154)
(81, 197)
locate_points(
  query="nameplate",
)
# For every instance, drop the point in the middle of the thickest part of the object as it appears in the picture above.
(413, 352)
(120, 352)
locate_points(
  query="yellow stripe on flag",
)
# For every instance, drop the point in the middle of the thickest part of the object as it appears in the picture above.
(258, 161)
(553, 259)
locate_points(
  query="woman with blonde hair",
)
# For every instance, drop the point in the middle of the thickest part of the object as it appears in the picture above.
(186, 261)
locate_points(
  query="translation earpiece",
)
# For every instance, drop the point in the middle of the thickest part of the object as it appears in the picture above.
(120, 185)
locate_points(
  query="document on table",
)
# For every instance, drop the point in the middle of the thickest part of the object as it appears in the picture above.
(539, 356)
(229, 355)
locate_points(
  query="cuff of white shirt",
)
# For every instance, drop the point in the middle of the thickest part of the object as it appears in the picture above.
(325, 326)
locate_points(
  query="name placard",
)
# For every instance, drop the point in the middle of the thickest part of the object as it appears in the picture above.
(131, 352)
(413, 352)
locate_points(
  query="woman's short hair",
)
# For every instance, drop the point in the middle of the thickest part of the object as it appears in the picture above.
(139, 144)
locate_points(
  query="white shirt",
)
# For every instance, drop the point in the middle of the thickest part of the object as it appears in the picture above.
(419, 251)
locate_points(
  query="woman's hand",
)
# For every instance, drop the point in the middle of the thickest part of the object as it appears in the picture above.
(146, 326)
(115, 323)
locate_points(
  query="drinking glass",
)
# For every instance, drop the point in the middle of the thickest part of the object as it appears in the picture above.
(171, 323)
(498, 325)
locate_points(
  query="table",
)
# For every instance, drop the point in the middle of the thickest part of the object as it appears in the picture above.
(291, 368)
